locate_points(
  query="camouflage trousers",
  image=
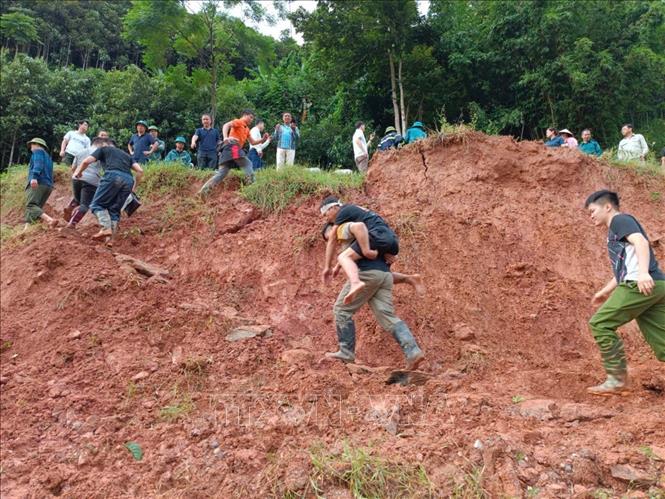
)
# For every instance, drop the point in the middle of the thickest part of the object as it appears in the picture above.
(625, 304)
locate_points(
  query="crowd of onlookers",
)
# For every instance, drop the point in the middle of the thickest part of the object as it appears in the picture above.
(105, 176)
(633, 146)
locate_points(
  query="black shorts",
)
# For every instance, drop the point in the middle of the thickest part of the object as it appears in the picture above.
(231, 152)
(381, 239)
(68, 159)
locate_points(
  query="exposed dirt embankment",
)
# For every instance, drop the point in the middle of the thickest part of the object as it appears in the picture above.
(97, 353)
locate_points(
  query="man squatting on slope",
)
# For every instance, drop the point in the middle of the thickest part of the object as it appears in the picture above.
(377, 290)
(637, 291)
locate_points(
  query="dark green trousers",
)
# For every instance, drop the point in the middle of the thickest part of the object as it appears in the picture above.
(625, 304)
(35, 199)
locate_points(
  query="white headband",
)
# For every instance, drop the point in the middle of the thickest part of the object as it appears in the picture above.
(326, 207)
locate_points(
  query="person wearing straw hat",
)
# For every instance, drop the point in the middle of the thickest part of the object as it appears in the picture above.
(569, 139)
(142, 144)
(40, 183)
(179, 154)
(161, 146)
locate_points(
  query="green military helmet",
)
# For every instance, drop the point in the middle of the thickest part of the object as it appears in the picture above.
(39, 141)
(141, 122)
(390, 129)
(180, 138)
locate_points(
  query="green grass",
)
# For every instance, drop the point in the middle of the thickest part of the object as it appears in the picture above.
(366, 475)
(274, 190)
(174, 412)
(471, 486)
(651, 167)
(161, 178)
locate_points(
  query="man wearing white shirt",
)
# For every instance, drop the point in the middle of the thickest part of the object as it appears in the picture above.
(632, 146)
(74, 142)
(256, 151)
(360, 148)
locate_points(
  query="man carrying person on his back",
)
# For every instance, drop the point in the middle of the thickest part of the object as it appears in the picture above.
(637, 291)
(84, 188)
(286, 137)
(40, 183)
(235, 133)
(157, 155)
(74, 142)
(256, 151)
(377, 290)
(114, 187)
(142, 144)
(588, 145)
(179, 154)
(205, 139)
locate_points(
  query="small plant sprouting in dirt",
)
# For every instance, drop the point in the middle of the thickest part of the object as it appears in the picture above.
(366, 475)
(601, 494)
(532, 491)
(408, 225)
(520, 456)
(132, 388)
(471, 486)
(517, 399)
(304, 242)
(656, 196)
(6, 345)
(172, 413)
(647, 452)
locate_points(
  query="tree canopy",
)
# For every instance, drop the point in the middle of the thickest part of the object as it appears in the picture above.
(509, 66)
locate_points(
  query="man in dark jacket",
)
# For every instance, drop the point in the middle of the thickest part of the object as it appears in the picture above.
(390, 140)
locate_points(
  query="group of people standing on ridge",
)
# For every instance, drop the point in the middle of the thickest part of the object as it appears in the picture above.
(633, 146)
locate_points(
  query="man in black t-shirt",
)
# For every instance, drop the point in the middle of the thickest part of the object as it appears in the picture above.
(637, 290)
(114, 187)
(378, 284)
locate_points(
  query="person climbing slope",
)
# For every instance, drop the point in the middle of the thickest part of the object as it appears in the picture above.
(637, 291)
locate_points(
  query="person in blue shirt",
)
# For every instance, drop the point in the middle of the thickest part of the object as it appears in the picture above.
(415, 133)
(142, 144)
(553, 138)
(40, 184)
(208, 136)
(588, 145)
(286, 137)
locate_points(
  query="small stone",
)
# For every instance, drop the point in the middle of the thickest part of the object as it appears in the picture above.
(386, 414)
(214, 444)
(74, 335)
(541, 409)
(141, 375)
(247, 332)
(658, 452)
(296, 356)
(478, 445)
(463, 332)
(629, 474)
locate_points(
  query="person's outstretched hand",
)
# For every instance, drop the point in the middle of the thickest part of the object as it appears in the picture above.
(34, 183)
(598, 299)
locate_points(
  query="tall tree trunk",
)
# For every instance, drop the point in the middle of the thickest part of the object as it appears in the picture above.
(213, 69)
(393, 88)
(11, 153)
(401, 94)
(69, 46)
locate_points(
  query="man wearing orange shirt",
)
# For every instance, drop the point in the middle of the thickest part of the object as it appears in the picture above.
(236, 134)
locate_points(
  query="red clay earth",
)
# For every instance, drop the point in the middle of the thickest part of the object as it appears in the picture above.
(95, 355)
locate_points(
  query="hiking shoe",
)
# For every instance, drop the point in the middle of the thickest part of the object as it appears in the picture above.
(414, 360)
(341, 355)
(612, 385)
